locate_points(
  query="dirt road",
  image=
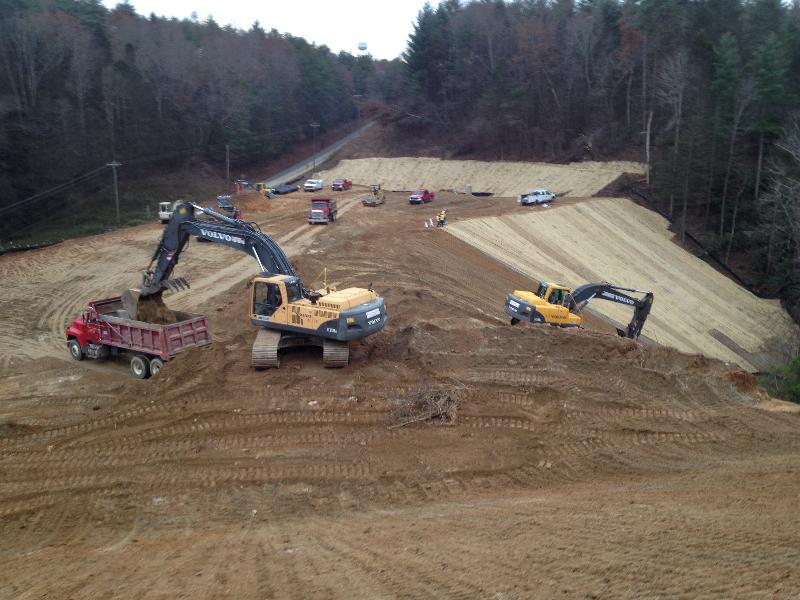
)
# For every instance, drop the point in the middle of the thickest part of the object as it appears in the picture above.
(579, 465)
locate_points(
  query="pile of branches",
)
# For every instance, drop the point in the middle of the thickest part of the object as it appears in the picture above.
(433, 404)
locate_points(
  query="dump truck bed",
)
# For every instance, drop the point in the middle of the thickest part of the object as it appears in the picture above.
(116, 328)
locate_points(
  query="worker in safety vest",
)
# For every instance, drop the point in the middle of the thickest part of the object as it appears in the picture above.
(441, 218)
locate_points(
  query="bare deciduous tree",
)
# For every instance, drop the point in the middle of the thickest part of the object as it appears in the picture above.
(672, 82)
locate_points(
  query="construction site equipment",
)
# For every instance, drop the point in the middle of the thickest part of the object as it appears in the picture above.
(559, 305)
(287, 313)
(375, 197)
(106, 329)
(322, 210)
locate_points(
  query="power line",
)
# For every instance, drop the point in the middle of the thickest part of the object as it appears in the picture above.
(59, 188)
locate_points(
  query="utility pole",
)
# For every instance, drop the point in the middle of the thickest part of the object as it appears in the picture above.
(227, 167)
(314, 125)
(114, 164)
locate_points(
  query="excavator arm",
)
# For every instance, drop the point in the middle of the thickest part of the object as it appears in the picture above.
(614, 293)
(246, 237)
(183, 224)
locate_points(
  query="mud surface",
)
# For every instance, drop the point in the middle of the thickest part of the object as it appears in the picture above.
(577, 464)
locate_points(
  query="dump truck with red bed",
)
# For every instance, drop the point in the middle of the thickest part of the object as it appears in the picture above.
(106, 329)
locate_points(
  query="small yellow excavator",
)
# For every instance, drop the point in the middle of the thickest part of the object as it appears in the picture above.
(559, 305)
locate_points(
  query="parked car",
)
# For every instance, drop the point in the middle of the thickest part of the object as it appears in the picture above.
(226, 207)
(340, 184)
(165, 210)
(285, 188)
(313, 185)
(421, 196)
(540, 196)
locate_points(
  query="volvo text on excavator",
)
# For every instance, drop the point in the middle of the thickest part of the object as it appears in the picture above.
(286, 313)
(558, 305)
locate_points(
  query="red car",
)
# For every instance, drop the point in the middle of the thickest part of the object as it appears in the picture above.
(341, 184)
(421, 197)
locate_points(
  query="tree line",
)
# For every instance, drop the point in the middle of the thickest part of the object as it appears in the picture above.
(705, 90)
(82, 86)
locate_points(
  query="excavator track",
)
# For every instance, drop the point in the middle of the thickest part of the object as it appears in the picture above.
(335, 355)
(265, 349)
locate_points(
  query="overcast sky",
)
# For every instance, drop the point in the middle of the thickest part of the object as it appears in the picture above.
(339, 24)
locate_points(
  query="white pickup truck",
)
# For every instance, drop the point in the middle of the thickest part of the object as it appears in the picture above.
(165, 210)
(313, 185)
(539, 196)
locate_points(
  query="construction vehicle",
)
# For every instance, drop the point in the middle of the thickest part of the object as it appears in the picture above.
(322, 210)
(286, 313)
(559, 305)
(105, 329)
(377, 196)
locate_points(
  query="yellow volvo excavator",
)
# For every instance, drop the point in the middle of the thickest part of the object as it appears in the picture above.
(559, 305)
(286, 313)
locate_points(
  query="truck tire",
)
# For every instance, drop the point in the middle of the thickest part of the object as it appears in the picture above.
(75, 350)
(156, 364)
(140, 367)
(514, 320)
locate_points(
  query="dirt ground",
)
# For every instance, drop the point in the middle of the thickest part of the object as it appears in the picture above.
(505, 179)
(580, 465)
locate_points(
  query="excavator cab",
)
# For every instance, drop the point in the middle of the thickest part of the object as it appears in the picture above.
(553, 293)
(271, 294)
(267, 298)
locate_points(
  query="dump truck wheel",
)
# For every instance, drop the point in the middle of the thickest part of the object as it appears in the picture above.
(75, 350)
(514, 320)
(156, 364)
(140, 367)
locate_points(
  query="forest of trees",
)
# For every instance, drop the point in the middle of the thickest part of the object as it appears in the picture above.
(706, 91)
(82, 86)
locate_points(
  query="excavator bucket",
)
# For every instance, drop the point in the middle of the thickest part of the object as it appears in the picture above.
(145, 303)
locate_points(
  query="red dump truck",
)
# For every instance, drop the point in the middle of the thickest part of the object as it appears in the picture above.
(322, 210)
(106, 329)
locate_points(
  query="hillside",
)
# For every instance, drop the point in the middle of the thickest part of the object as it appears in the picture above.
(576, 463)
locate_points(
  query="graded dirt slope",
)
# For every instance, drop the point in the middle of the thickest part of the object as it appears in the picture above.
(579, 465)
(506, 179)
(696, 309)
